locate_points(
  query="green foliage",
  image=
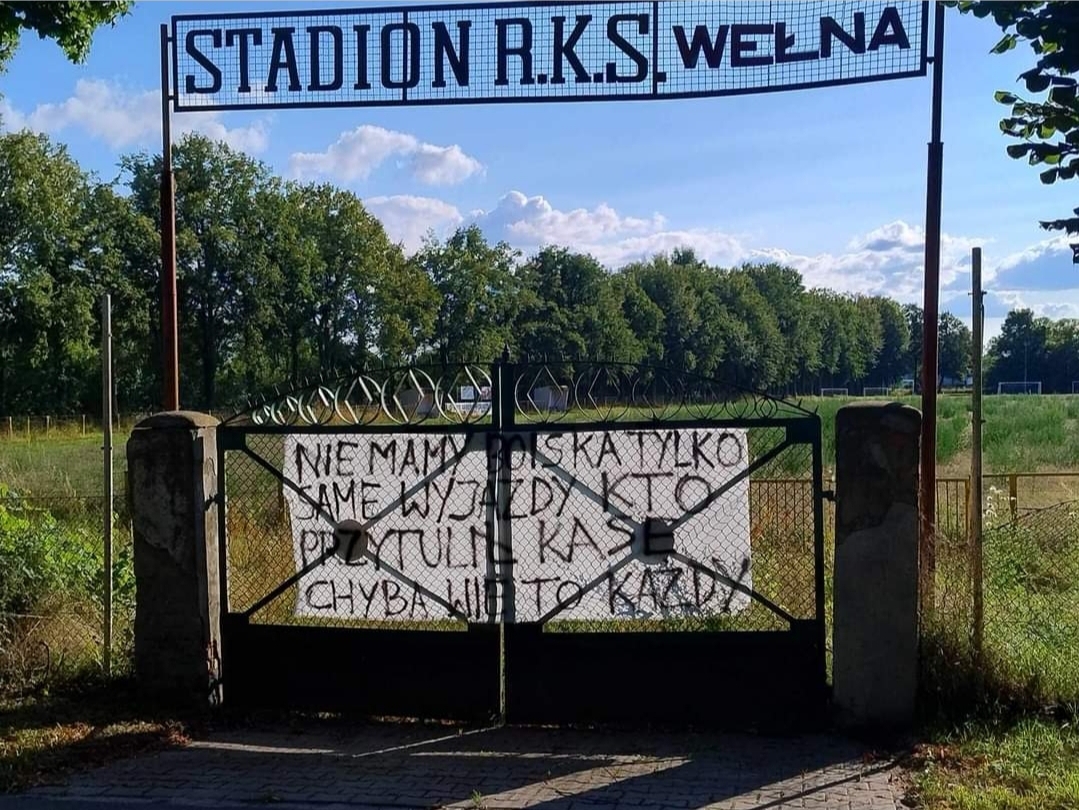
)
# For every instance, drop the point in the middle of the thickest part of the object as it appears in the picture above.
(571, 309)
(279, 282)
(63, 239)
(1047, 124)
(1032, 764)
(41, 556)
(71, 24)
(1032, 348)
(479, 295)
(954, 342)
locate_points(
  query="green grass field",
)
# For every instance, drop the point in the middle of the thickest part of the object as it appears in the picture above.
(1029, 764)
(1022, 434)
(1031, 576)
(64, 466)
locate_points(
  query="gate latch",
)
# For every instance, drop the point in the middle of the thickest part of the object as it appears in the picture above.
(658, 537)
(828, 495)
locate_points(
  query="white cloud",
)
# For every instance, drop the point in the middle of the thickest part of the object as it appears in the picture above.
(11, 119)
(530, 223)
(408, 219)
(443, 165)
(122, 117)
(886, 261)
(1045, 265)
(1043, 303)
(251, 139)
(358, 152)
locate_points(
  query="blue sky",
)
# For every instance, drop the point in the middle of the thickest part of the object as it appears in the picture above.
(831, 181)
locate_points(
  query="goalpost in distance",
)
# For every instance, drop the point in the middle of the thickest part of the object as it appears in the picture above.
(1034, 387)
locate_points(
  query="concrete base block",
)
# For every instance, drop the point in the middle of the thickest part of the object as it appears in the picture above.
(875, 626)
(172, 480)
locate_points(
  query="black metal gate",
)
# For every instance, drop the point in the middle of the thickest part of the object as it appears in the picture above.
(571, 542)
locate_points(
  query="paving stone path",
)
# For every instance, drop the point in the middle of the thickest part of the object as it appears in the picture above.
(417, 767)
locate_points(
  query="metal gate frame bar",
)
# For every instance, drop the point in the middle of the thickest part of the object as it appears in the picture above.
(499, 443)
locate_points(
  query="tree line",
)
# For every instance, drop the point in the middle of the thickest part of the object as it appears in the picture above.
(279, 281)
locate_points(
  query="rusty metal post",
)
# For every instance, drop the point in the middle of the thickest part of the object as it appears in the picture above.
(170, 342)
(930, 327)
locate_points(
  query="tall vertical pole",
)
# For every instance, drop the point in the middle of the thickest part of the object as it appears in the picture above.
(169, 344)
(974, 509)
(106, 424)
(930, 325)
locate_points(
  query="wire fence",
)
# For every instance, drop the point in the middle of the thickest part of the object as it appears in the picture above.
(1016, 632)
(1031, 602)
(29, 427)
(52, 592)
(577, 565)
(36, 427)
(52, 588)
(1009, 495)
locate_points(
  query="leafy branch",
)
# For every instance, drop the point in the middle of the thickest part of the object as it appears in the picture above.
(1047, 126)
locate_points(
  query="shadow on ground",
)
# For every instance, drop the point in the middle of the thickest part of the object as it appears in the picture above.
(422, 766)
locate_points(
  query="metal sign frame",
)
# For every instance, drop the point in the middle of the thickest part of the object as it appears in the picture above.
(727, 35)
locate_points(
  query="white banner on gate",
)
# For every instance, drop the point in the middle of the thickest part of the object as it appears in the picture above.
(602, 525)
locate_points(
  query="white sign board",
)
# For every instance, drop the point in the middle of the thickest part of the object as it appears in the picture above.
(591, 518)
(477, 53)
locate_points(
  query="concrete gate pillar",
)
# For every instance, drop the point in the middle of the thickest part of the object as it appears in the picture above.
(172, 480)
(875, 626)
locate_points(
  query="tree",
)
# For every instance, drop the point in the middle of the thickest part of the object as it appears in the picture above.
(70, 24)
(784, 291)
(892, 360)
(46, 344)
(680, 288)
(916, 329)
(1048, 122)
(219, 255)
(355, 261)
(292, 262)
(1018, 353)
(643, 318)
(572, 308)
(851, 337)
(954, 346)
(478, 298)
(756, 351)
(120, 256)
(1062, 356)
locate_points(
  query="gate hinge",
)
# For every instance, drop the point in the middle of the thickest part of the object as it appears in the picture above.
(828, 495)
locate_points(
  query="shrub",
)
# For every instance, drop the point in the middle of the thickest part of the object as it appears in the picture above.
(41, 556)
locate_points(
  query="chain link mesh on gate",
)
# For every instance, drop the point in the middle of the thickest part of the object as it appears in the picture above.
(628, 498)
(752, 546)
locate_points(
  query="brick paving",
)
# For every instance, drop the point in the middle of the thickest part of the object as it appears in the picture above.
(417, 767)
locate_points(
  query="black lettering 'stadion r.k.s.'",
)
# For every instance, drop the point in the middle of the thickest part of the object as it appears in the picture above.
(485, 53)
